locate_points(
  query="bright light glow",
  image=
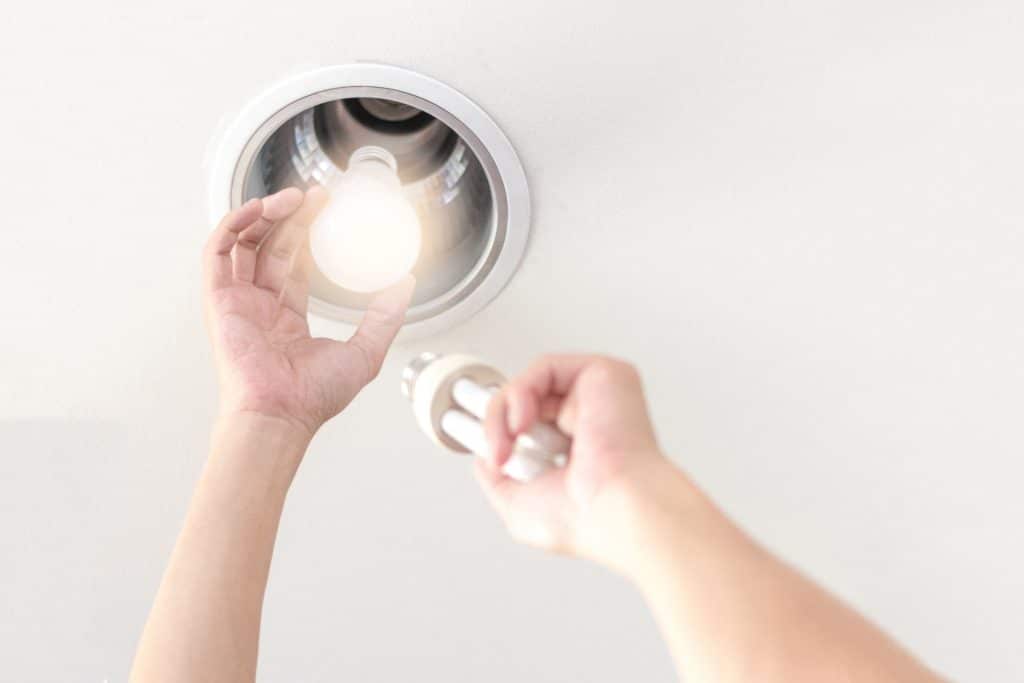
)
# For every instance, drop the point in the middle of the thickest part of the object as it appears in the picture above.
(368, 236)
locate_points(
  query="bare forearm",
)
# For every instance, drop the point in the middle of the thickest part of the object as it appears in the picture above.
(204, 624)
(730, 611)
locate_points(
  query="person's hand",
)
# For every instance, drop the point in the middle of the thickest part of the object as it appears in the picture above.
(256, 282)
(599, 403)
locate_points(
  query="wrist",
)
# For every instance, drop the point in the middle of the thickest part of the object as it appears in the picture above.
(260, 439)
(634, 513)
(278, 424)
(271, 409)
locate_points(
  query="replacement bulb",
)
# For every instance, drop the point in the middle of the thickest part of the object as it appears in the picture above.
(367, 237)
(450, 395)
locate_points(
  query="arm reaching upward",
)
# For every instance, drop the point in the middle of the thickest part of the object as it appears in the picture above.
(729, 611)
(278, 385)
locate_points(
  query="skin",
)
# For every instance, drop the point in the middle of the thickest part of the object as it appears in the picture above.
(728, 610)
(277, 386)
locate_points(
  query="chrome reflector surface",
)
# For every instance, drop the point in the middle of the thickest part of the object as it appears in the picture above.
(441, 176)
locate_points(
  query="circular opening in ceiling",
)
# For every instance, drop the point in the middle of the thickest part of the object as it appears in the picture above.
(456, 167)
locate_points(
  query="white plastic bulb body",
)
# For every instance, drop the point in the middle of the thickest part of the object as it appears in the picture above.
(450, 395)
(368, 235)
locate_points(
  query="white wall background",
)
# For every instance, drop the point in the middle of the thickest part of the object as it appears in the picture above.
(803, 220)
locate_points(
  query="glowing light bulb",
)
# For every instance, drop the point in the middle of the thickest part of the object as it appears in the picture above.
(367, 237)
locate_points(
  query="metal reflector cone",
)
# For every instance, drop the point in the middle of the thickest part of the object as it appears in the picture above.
(441, 177)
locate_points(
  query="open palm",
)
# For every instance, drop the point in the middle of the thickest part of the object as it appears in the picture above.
(256, 289)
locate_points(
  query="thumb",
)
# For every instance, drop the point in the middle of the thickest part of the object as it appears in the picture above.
(381, 323)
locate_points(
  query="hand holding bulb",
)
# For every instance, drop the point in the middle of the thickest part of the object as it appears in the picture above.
(256, 295)
(368, 235)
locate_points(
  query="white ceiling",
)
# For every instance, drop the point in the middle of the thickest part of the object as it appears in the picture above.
(802, 221)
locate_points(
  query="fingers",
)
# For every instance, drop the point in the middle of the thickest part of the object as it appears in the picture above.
(276, 263)
(550, 409)
(533, 513)
(499, 489)
(495, 485)
(230, 251)
(294, 293)
(490, 478)
(217, 269)
(499, 437)
(536, 394)
(276, 207)
(380, 324)
(550, 377)
(345, 368)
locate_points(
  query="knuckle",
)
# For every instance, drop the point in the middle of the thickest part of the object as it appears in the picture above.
(210, 246)
(388, 318)
(280, 251)
(614, 370)
(374, 371)
(247, 241)
(371, 365)
(548, 360)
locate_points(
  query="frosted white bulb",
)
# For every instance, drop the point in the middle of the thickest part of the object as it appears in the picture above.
(367, 237)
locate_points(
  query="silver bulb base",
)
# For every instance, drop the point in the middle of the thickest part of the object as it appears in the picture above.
(412, 371)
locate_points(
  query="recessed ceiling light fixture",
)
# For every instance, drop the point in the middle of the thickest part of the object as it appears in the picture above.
(455, 166)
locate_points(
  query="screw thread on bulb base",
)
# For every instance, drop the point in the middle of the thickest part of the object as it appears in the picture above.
(412, 371)
(371, 154)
